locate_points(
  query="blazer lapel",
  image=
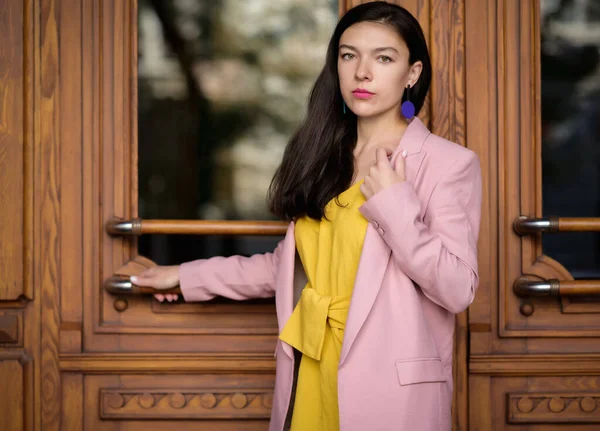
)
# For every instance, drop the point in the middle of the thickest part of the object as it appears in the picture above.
(375, 254)
(371, 269)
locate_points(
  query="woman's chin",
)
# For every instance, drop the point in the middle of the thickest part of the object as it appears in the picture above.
(367, 112)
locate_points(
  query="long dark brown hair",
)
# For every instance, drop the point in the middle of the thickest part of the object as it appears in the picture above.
(318, 162)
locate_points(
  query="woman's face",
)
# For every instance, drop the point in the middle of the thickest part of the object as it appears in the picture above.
(373, 69)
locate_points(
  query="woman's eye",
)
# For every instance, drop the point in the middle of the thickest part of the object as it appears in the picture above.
(385, 59)
(347, 56)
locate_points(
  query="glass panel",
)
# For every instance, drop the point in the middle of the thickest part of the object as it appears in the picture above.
(570, 60)
(222, 84)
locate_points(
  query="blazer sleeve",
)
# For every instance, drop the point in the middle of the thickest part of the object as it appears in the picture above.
(235, 277)
(439, 252)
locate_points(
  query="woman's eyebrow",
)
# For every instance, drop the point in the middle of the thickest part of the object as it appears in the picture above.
(383, 48)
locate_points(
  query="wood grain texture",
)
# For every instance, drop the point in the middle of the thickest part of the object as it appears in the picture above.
(13, 132)
(480, 407)
(47, 196)
(162, 363)
(579, 224)
(109, 151)
(72, 402)
(482, 137)
(70, 100)
(12, 409)
(532, 364)
(32, 313)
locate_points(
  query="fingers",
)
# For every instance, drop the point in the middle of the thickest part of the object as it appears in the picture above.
(140, 280)
(144, 278)
(171, 297)
(382, 154)
(365, 188)
(400, 164)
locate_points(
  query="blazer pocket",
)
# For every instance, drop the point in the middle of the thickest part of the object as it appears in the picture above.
(423, 370)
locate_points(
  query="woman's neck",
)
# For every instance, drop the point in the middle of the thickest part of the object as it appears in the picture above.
(385, 130)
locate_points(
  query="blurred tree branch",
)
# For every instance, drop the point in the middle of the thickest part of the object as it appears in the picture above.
(179, 46)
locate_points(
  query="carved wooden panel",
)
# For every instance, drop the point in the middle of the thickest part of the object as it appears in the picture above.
(535, 402)
(11, 329)
(209, 401)
(16, 144)
(186, 404)
(561, 407)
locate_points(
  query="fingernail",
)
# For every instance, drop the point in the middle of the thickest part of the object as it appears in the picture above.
(133, 279)
(404, 153)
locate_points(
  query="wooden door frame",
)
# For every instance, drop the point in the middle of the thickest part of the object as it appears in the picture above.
(503, 89)
(83, 140)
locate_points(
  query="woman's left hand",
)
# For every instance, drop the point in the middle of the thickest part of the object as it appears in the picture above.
(382, 175)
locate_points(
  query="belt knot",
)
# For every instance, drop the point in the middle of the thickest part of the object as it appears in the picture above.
(305, 330)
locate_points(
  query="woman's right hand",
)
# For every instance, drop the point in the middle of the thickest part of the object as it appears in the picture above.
(160, 278)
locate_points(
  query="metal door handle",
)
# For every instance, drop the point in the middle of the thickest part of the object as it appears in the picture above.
(137, 227)
(553, 287)
(122, 285)
(552, 224)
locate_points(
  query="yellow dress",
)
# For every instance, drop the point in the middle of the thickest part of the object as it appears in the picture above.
(330, 251)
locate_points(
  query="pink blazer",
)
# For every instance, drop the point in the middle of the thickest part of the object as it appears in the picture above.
(417, 269)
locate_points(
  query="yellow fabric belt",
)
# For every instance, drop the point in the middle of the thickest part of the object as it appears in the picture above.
(306, 328)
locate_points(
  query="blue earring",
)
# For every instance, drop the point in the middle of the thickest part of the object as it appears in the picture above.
(344, 107)
(408, 108)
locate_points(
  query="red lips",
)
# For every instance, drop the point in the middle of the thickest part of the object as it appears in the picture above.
(361, 91)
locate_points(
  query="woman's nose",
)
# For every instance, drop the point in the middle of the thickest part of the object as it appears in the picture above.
(362, 72)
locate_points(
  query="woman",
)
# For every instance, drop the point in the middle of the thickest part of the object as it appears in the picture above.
(381, 251)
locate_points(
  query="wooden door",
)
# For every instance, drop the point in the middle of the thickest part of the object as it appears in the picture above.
(532, 114)
(78, 350)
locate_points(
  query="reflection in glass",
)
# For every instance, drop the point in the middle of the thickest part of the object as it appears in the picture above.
(570, 60)
(222, 84)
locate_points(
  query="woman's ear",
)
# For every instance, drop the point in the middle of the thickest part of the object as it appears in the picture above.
(414, 73)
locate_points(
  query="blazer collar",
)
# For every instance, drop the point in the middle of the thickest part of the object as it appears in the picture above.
(413, 138)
